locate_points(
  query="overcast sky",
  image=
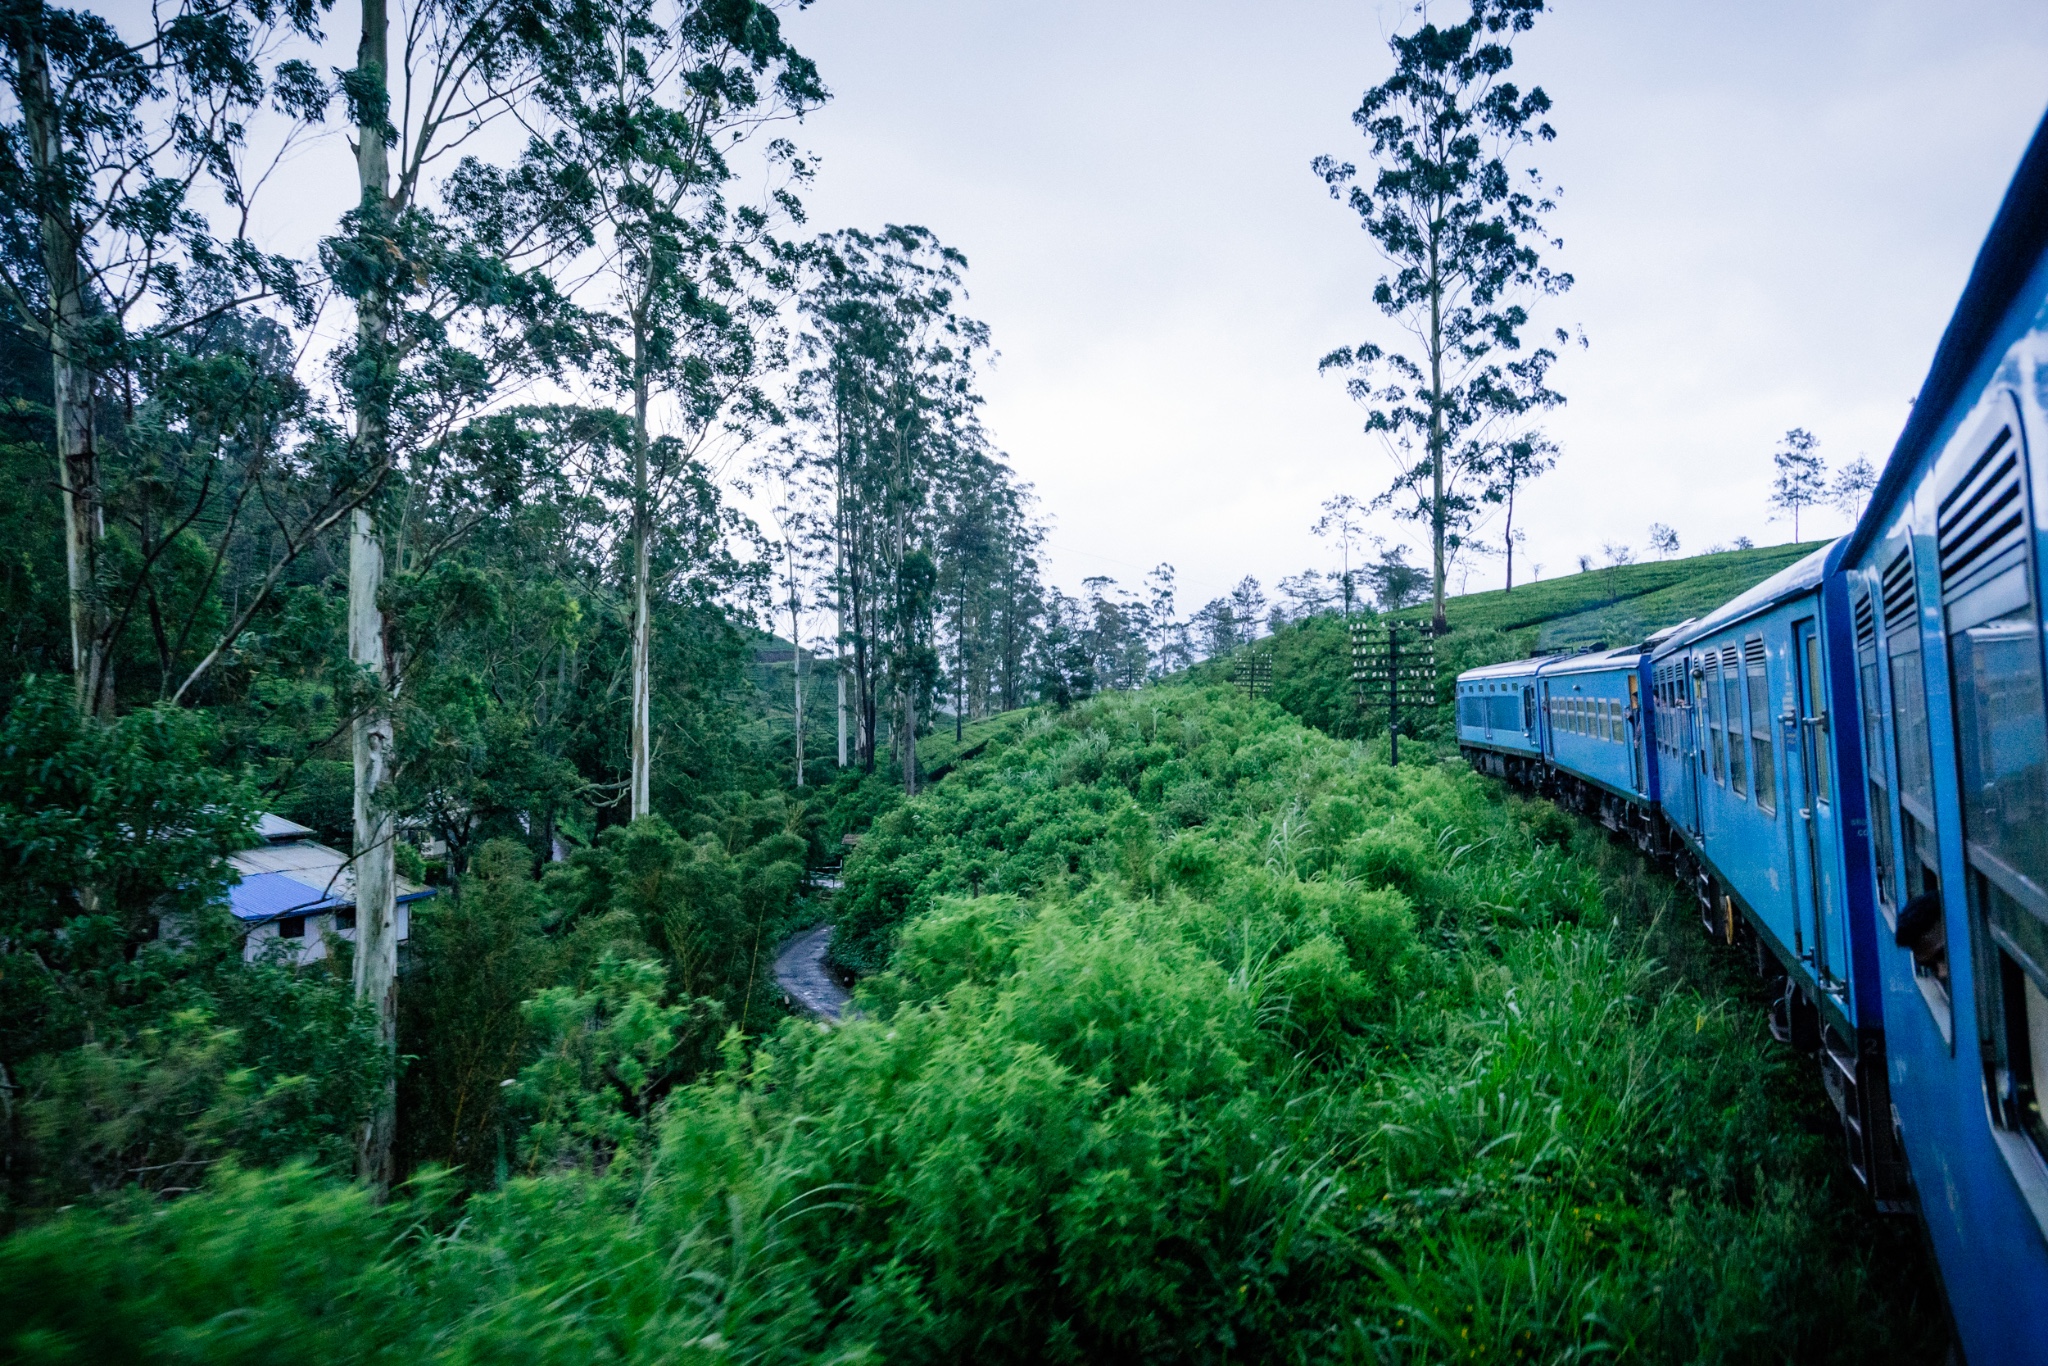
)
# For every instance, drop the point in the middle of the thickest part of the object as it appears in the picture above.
(1770, 209)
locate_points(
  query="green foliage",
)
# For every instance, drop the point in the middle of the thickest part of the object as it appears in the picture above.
(143, 1048)
(1364, 1067)
(479, 951)
(607, 1055)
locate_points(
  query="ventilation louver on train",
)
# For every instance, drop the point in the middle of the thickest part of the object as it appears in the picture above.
(1982, 521)
(1753, 651)
(1866, 624)
(1729, 659)
(1900, 613)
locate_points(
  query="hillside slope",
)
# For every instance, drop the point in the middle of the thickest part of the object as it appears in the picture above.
(1612, 606)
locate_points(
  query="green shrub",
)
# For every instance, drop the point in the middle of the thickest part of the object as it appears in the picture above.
(1239, 1108)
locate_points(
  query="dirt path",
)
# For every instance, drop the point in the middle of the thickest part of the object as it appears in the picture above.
(800, 969)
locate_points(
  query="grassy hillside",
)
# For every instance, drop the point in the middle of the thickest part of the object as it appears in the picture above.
(1618, 604)
(1613, 606)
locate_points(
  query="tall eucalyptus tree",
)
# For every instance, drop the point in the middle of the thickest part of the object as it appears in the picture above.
(446, 267)
(648, 118)
(1461, 231)
(890, 386)
(107, 138)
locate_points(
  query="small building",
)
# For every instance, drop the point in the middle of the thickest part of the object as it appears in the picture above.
(296, 891)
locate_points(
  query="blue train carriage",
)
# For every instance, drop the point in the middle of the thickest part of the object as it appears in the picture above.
(1763, 799)
(1597, 710)
(1498, 722)
(1945, 581)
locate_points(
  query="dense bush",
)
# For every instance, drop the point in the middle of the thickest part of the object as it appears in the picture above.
(136, 1047)
(1355, 1067)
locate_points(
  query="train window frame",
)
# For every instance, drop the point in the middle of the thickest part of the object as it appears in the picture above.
(1919, 844)
(1871, 713)
(1986, 579)
(1717, 730)
(1763, 753)
(1735, 701)
(1815, 705)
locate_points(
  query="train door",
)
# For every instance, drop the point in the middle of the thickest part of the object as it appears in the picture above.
(1694, 679)
(1820, 921)
(1632, 732)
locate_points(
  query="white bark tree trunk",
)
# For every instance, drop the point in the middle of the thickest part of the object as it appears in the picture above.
(376, 955)
(78, 465)
(643, 626)
(376, 948)
(796, 674)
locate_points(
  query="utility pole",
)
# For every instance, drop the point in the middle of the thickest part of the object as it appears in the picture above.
(1253, 671)
(1388, 672)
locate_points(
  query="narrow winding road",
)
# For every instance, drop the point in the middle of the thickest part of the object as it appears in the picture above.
(800, 969)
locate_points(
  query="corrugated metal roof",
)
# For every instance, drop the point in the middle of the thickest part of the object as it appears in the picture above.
(297, 878)
(277, 828)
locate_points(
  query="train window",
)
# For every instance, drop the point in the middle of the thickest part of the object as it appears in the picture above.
(1528, 708)
(1915, 765)
(2025, 1083)
(1874, 757)
(1713, 704)
(1817, 710)
(1738, 723)
(2001, 719)
(1922, 927)
(1763, 745)
(1703, 701)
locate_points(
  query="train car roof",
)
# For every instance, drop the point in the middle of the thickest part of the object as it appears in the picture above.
(2004, 263)
(1802, 576)
(1585, 661)
(1596, 661)
(1518, 668)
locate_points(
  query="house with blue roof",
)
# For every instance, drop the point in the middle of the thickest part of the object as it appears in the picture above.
(295, 891)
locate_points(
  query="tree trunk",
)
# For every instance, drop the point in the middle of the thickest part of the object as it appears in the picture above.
(643, 636)
(376, 958)
(1509, 539)
(796, 671)
(839, 613)
(78, 465)
(909, 745)
(376, 955)
(1436, 447)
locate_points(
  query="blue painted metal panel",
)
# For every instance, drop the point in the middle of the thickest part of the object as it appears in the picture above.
(1980, 1184)
(265, 896)
(1593, 718)
(1496, 708)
